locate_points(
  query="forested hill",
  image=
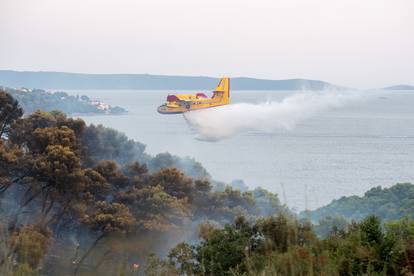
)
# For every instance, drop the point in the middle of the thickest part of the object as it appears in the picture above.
(59, 80)
(386, 203)
(34, 99)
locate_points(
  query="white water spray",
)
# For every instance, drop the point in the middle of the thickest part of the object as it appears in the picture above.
(215, 124)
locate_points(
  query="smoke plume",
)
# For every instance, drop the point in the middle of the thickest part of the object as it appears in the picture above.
(215, 124)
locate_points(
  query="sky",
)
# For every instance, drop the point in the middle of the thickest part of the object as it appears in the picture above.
(356, 43)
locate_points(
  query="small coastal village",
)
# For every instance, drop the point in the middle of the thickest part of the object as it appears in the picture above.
(33, 99)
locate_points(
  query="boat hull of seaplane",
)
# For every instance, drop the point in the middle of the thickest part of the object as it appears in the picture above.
(164, 109)
(180, 103)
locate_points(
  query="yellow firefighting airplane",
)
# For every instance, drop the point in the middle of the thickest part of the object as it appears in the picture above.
(181, 103)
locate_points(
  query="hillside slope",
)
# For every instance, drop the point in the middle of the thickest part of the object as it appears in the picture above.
(400, 87)
(59, 80)
(386, 203)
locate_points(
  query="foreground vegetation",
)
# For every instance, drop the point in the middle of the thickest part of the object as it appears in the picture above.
(73, 200)
(281, 245)
(86, 200)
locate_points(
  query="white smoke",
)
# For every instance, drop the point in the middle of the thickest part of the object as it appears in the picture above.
(218, 123)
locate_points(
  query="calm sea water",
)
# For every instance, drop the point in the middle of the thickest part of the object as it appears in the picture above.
(344, 151)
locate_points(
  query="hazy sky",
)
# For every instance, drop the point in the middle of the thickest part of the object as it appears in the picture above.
(358, 43)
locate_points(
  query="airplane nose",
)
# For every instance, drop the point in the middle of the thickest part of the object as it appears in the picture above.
(161, 109)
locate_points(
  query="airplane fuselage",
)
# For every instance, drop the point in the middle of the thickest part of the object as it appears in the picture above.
(181, 103)
(185, 106)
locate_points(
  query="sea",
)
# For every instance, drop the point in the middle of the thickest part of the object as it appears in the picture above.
(340, 151)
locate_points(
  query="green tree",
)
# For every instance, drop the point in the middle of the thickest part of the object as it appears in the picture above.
(183, 257)
(225, 250)
(10, 111)
(371, 232)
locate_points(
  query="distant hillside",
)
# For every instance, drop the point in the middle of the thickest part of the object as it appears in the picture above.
(400, 87)
(388, 204)
(32, 100)
(58, 80)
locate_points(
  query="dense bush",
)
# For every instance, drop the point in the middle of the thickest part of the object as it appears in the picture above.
(282, 245)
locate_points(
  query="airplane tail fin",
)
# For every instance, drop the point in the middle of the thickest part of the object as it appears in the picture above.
(224, 87)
